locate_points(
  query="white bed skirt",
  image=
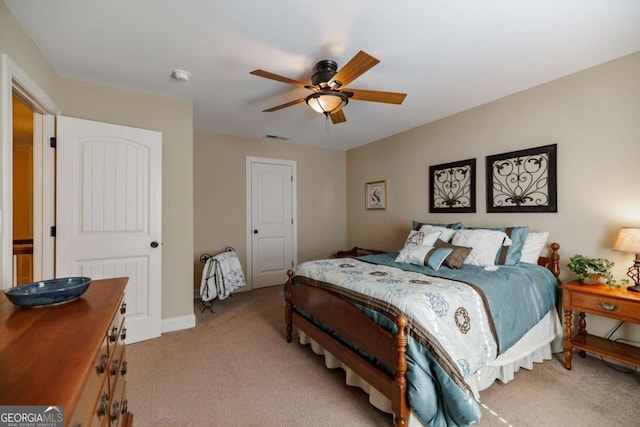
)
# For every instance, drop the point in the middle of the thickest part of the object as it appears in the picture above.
(536, 346)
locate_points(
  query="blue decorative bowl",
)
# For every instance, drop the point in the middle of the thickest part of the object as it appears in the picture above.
(48, 292)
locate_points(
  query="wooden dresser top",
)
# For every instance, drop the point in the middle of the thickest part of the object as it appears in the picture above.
(46, 354)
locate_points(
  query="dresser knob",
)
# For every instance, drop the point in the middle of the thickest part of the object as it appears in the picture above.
(125, 406)
(123, 371)
(123, 308)
(123, 335)
(113, 335)
(103, 364)
(607, 306)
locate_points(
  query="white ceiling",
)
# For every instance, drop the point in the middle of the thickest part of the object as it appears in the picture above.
(447, 55)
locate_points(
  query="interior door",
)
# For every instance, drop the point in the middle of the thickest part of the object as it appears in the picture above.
(109, 213)
(272, 223)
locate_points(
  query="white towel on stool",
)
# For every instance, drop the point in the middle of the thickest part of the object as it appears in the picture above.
(221, 275)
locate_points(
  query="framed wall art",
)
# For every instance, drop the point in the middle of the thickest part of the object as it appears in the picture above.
(376, 195)
(452, 187)
(523, 181)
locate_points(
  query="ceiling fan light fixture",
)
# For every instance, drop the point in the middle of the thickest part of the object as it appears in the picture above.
(327, 102)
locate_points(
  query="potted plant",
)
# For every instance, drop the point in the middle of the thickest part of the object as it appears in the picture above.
(591, 270)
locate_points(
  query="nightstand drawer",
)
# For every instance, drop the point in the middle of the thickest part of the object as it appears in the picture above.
(601, 304)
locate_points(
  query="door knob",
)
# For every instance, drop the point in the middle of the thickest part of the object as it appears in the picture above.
(154, 244)
(255, 231)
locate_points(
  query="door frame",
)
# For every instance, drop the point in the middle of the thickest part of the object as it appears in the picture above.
(294, 210)
(15, 80)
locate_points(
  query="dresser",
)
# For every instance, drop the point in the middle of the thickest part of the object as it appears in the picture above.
(601, 300)
(70, 355)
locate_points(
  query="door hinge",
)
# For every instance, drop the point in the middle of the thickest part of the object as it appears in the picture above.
(291, 178)
(53, 142)
(52, 232)
(291, 264)
(291, 221)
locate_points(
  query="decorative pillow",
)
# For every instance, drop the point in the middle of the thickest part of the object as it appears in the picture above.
(457, 256)
(424, 255)
(485, 244)
(416, 225)
(510, 254)
(446, 233)
(420, 238)
(533, 246)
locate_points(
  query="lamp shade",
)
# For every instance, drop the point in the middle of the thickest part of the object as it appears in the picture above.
(327, 101)
(628, 240)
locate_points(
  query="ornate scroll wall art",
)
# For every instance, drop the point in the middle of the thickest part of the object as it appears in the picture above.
(452, 187)
(523, 181)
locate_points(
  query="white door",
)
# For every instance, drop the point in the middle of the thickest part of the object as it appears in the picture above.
(272, 228)
(109, 213)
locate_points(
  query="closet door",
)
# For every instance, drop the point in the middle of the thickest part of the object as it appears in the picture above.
(272, 222)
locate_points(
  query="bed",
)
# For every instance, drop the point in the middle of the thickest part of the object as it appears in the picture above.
(362, 314)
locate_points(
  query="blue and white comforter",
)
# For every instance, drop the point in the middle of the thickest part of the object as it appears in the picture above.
(457, 324)
(449, 314)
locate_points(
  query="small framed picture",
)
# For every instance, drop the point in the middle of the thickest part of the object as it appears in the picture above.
(376, 195)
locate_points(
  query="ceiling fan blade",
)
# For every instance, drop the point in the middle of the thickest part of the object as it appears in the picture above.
(281, 106)
(354, 68)
(338, 117)
(268, 75)
(376, 96)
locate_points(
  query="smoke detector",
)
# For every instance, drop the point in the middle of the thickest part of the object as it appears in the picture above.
(181, 75)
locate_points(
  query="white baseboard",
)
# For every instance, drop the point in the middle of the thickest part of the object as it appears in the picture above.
(178, 323)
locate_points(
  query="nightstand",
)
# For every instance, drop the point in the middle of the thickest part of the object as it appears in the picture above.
(605, 301)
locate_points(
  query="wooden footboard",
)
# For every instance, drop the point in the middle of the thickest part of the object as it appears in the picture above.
(355, 326)
(340, 315)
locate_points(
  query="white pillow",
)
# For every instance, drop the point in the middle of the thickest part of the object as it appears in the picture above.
(420, 238)
(447, 233)
(533, 246)
(485, 244)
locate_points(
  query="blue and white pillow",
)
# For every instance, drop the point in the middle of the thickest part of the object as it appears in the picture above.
(423, 255)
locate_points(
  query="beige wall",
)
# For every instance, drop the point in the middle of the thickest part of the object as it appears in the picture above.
(174, 118)
(220, 192)
(593, 116)
(21, 49)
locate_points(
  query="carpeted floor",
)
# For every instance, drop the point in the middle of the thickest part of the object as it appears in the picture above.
(236, 369)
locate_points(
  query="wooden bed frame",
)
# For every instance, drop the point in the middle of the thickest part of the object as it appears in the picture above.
(344, 318)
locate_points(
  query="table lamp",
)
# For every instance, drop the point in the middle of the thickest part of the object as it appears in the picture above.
(629, 241)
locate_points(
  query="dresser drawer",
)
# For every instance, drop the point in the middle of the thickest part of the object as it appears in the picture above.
(116, 332)
(101, 413)
(87, 404)
(607, 306)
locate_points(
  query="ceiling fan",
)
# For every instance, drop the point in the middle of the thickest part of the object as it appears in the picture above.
(328, 85)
